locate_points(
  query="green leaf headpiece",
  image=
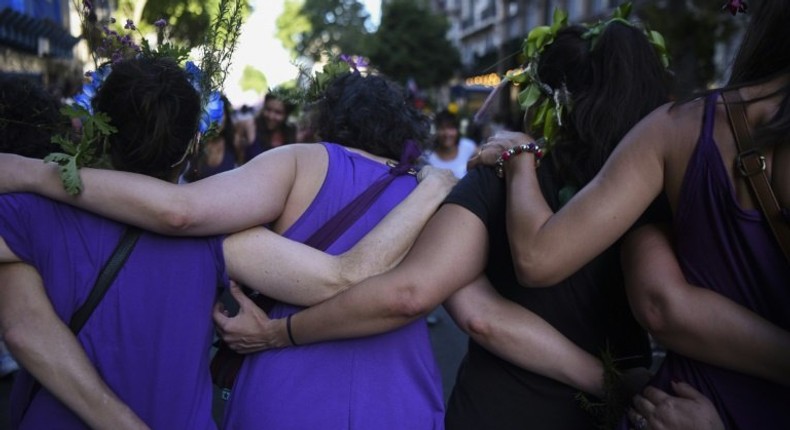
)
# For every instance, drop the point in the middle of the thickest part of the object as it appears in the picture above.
(556, 102)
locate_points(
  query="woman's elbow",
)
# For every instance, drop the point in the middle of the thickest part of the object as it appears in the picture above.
(477, 327)
(410, 303)
(176, 218)
(534, 273)
(654, 314)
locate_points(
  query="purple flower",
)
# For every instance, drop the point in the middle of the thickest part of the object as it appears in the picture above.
(735, 6)
(129, 25)
(355, 62)
(116, 57)
(160, 23)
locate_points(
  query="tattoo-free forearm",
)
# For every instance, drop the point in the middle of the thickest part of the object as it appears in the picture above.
(46, 347)
(523, 338)
(698, 322)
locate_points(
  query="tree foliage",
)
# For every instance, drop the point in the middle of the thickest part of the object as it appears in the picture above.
(292, 25)
(312, 27)
(692, 30)
(411, 42)
(188, 20)
(253, 79)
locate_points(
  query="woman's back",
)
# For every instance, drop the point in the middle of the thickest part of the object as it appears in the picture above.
(378, 381)
(724, 244)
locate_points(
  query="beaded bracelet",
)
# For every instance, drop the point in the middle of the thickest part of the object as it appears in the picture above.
(531, 147)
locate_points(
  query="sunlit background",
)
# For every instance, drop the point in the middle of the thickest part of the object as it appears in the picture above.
(260, 48)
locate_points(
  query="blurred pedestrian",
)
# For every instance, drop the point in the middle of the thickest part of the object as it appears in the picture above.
(269, 129)
(450, 150)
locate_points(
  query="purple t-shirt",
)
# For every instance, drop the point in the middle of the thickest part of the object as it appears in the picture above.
(151, 334)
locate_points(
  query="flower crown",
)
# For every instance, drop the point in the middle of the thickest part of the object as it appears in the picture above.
(335, 67)
(207, 80)
(556, 102)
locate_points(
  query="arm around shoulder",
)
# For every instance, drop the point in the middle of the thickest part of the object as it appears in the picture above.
(698, 322)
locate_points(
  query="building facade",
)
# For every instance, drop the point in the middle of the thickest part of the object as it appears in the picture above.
(40, 40)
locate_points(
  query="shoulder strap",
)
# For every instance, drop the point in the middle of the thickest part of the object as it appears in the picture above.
(751, 165)
(343, 219)
(105, 279)
(107, 275)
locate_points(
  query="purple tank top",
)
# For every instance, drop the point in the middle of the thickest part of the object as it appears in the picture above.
(387, 382)
(732, 251)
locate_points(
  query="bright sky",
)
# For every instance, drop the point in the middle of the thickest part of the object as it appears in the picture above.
(259, 48)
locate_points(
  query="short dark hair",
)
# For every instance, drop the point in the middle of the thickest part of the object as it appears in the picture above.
(29, 117)
(446, 117)
(370, 113)
(155, 109)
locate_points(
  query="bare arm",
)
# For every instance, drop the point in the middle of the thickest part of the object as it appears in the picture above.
(449, 254)
(698, 322)
(251, 195)
(522, 337)
(548, 247)
(45, 346)
(296, 273)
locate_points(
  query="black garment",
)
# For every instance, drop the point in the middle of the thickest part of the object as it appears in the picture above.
(589, 308)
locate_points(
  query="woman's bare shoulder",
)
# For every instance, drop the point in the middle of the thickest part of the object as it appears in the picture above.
(673, 123)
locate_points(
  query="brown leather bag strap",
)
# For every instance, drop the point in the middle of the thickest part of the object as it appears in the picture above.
(751, 164)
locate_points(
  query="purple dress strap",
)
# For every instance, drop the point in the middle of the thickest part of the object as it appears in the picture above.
(327, 234)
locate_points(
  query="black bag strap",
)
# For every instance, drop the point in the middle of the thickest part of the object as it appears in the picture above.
(107, 275)
(751, 165)
(105, 279)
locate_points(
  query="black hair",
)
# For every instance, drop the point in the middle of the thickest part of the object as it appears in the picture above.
(612, 86)
(29, 117)
(446, 117)
(764, 54)
(370, 113)
(155, 109)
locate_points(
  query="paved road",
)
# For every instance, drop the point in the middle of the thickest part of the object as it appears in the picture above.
(449, 344)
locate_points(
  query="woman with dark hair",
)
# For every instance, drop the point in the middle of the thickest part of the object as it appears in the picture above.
(450, 150)
(269, 129)
(727, 333)
(296, 189)
(151, 333)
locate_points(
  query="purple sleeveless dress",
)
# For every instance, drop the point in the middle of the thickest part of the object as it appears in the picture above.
(150, 335)
(732, 251)
(386, 381)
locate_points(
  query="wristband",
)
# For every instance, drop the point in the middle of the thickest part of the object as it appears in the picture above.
(531, 147)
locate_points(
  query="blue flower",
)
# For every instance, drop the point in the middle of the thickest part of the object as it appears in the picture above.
(195, 75)
(89, 90)
(213, 113)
